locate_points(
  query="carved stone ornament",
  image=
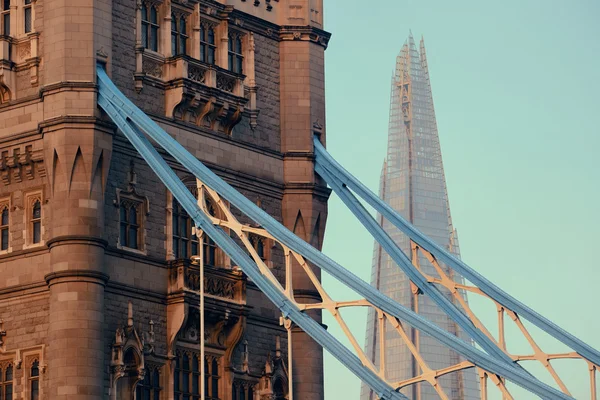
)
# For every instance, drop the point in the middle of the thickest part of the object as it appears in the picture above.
(127, 357)
(21, 163)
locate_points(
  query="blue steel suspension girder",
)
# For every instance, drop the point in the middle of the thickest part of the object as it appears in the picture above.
(324, 159)
(110, 97)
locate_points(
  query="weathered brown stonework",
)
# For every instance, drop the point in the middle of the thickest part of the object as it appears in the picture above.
(103, 320)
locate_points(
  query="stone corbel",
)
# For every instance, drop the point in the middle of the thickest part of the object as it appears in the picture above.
(126, 338)
(231, 119)
(208, 109)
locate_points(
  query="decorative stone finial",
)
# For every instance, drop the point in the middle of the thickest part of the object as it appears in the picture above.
(277, 347)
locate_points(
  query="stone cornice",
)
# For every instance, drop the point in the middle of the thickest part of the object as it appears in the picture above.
(307, 188)
(68, 86)
(82, 121)
(304, 33)
(254, 24)
(76, 275)
(76, 239)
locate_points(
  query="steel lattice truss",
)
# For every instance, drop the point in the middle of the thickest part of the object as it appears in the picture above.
(494, 363)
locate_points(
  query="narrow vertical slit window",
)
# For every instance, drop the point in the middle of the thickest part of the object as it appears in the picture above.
(173, 35)
(153, 29)
(34, 378)
(214, 379)
(5, 17)
(4, 229)
(36, 222)
(145, 26)
(182, 36)
(27, 14)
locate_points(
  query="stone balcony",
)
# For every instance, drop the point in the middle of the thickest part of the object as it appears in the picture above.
(198, 93)
(221, 284)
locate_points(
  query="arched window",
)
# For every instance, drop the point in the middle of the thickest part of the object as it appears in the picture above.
(149, 388)
(150, 27)
(208, 47)
(6, 383)
(279, 389)
(36, 222)
(185, 243)
(129, 223)
(34, 378)
(235, 57)
(178, 35)
(250, 393)
(242, 395)
(4, 228)
(5, 11)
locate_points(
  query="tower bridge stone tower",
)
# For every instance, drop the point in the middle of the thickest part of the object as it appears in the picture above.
(98, 294)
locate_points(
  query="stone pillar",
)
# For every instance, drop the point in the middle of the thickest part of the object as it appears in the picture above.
(78, 148)
(305, 197)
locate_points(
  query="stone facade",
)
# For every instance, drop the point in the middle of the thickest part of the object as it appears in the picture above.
(99, 291)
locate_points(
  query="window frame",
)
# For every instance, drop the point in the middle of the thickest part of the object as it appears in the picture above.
(150, 27)
(179, 218)
(27, 9)
(31, 379)
(206, 46)
(212, 378)
(4, 382)
(179, 35)
(150, 385)
(5, 227)
(5, 17)
(235, 56)
(30, 221)
(142, 204)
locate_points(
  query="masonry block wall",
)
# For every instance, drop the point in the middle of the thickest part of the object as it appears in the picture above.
(97, 296)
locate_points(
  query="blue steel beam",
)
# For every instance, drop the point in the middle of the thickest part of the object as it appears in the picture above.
(226, 243)
(405, 264)
(111, 96)
(324, 159)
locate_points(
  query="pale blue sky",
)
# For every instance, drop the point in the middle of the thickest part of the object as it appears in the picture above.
(516, 89)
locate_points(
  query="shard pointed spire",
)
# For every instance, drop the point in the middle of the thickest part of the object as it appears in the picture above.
(413, 183)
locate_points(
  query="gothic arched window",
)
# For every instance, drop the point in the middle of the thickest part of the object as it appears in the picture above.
(129, 224)
(208, 47)
(6, 382)
(27, 16)
(5, 11)
(150, 27)
(4, 229)
(36, 222)
(185, 241)
(34, 380)
(178, 35)
(235, 57)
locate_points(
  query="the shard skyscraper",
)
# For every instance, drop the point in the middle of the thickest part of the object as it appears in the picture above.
(413, 183)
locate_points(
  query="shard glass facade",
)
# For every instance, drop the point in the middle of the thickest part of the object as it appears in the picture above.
(413, 183)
